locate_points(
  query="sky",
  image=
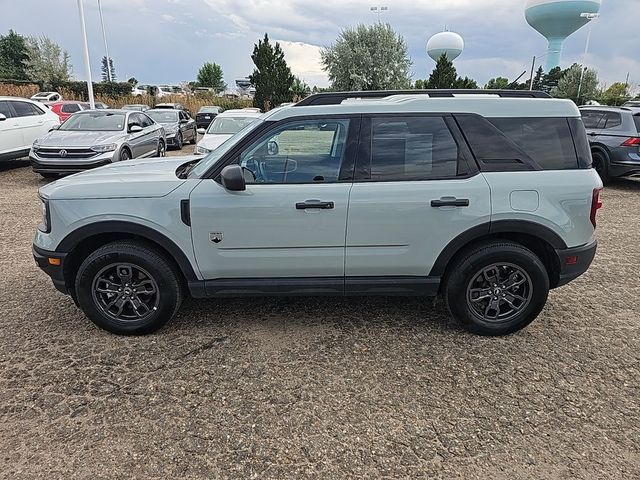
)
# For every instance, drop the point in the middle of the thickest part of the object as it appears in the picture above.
(166, 41)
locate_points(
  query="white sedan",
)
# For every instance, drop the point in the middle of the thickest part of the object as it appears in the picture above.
(224, 126)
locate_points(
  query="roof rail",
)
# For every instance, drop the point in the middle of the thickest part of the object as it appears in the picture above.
(630, 109)
(335, 98)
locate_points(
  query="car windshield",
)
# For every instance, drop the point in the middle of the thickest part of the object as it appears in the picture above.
(168, 116)
(229, 125)
(94, 122)
(209, 160)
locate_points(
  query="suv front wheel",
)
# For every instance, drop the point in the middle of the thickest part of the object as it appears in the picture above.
(496, 288)
(127, 288)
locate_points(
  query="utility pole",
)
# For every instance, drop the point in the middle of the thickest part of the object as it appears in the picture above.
(533, 65)
(87, 66)
(106, 48)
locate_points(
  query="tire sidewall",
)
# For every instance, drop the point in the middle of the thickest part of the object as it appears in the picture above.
(604, 166)
(179, 140)
(168, 291)
(123, 153)
(457, 282)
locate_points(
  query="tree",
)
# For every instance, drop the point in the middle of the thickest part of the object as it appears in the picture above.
(444, 75)
(551, 79)
(48, 62)
(497, 83)
(272, 77)
(466, 82)
(210, 75)
(108, 70)
(537, 79)
(616, 94)
(14, 56)
(300, 89)
(133, 81)
(568, 85)
(370, 57)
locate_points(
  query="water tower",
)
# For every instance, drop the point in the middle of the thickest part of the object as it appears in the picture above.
(449, 43)
(556, 20)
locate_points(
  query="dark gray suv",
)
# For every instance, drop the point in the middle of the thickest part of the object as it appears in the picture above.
(614, 136)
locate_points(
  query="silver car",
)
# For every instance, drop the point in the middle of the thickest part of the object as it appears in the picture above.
(94, 138)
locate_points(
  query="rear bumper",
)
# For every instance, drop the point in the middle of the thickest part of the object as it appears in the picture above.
(56, 272)
(575, 261)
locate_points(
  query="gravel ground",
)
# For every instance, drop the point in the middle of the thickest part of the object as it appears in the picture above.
(321, 388)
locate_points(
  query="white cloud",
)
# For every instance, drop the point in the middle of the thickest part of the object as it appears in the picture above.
(304, 60)
(168, 18)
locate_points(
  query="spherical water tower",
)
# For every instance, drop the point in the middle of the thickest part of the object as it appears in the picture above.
(449, 43)
(556, 20)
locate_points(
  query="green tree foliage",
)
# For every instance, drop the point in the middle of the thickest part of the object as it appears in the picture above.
(133, 81)
(444, 75)
(106, 70)
(300, 89)
(368, 57)
(497, 83)
(210, 75)
(537, 79)
(14, 56)
(568, 85)
(616, 94)
(272, 76)
(48, 62)
(550, 79)
(466, 82)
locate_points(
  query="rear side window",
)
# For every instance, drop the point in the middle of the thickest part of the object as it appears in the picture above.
(591, 118)
(70, 108)
(24, 109)
(636, 120)
(612, 120)
(146, 121)
(409, 148)
(547, 141)
(581, 142)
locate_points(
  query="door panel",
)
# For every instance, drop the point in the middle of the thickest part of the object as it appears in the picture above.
(11, 137)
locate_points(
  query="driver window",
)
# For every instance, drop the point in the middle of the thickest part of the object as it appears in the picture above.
(309, 151)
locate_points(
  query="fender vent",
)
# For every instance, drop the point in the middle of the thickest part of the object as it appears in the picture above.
(185, 212)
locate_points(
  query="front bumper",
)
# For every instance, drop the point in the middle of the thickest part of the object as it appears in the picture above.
(56, 272)
(575, 261)
(63, 166)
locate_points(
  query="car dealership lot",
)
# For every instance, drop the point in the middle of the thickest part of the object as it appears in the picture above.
(331, 388)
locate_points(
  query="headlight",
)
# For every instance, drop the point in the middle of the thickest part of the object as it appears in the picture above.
(36, 146)
(45, 224)
(201, 150)
(171, 130)
(104, 148)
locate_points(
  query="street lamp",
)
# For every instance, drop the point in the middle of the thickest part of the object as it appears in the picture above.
(589, 17)
(83, 28)
(379, 10)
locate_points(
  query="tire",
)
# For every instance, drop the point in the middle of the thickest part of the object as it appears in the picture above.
(601, 164)
(194, 140)
(125, 154)
(109, 282)
(472, 299)
(179, 141)
(161, 150)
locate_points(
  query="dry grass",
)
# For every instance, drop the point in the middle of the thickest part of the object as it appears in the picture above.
(25, 91)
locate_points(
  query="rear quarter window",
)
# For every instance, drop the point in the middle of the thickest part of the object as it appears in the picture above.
(636, 120)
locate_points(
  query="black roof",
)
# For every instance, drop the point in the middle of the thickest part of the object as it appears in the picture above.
(335, 98)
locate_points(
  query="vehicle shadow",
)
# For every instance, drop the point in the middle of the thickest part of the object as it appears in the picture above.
(624, 184)
(14, 163)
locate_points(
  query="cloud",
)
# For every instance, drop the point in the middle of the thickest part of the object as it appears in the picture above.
(304, 60)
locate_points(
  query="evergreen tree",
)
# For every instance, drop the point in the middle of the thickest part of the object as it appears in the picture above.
(466, 82)
(272, 76)
(210, 75)
(551, 79)
(537, 79)
(106, 70)
(14, 56)
(444, 75)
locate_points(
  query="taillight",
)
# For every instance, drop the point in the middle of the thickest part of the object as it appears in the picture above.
(596, 205)
(631, 142)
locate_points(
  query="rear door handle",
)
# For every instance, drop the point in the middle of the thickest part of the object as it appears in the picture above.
(450, 202)
(314, 204)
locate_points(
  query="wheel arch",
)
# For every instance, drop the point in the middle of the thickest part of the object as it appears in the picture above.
(84, 240)
(540, 239)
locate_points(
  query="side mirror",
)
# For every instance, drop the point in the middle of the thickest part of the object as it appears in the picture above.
(135, 128)
(202, 131)
(232, 178)
(2, 117)
(183, 120)
(54, 127)
(272, 148)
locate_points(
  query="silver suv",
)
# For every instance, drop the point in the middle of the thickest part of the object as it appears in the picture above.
(487, 199)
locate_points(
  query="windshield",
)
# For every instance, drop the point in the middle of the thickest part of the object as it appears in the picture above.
(229, 125)
(167, 116)
(209, 160)
(94, 122)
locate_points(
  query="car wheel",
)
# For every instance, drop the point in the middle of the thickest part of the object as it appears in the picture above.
(496, 288)
(161, 149)
(194, 139)
(601, 164)
(127, 288)
(125, 154)
(179, 141)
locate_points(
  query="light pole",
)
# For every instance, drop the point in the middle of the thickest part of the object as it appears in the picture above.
(590, 17)
(87, 67)
(378, 11)
(106, 48)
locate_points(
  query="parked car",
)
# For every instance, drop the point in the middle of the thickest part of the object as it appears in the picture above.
(65, 108)
(139, 90)
(138, 107)
(206, 114)
(632, 104)
(172, 106)
(179, 127)
(225, 125)
(47, 97)
(94, 138)
(21, 122)
(101, 106)
(487, 200)
(614, 137)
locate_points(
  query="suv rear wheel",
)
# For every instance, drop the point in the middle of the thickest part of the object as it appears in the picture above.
(496, 288)
(126, 288)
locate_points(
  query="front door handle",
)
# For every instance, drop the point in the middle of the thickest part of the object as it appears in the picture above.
(450, 202)
(314, 204)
